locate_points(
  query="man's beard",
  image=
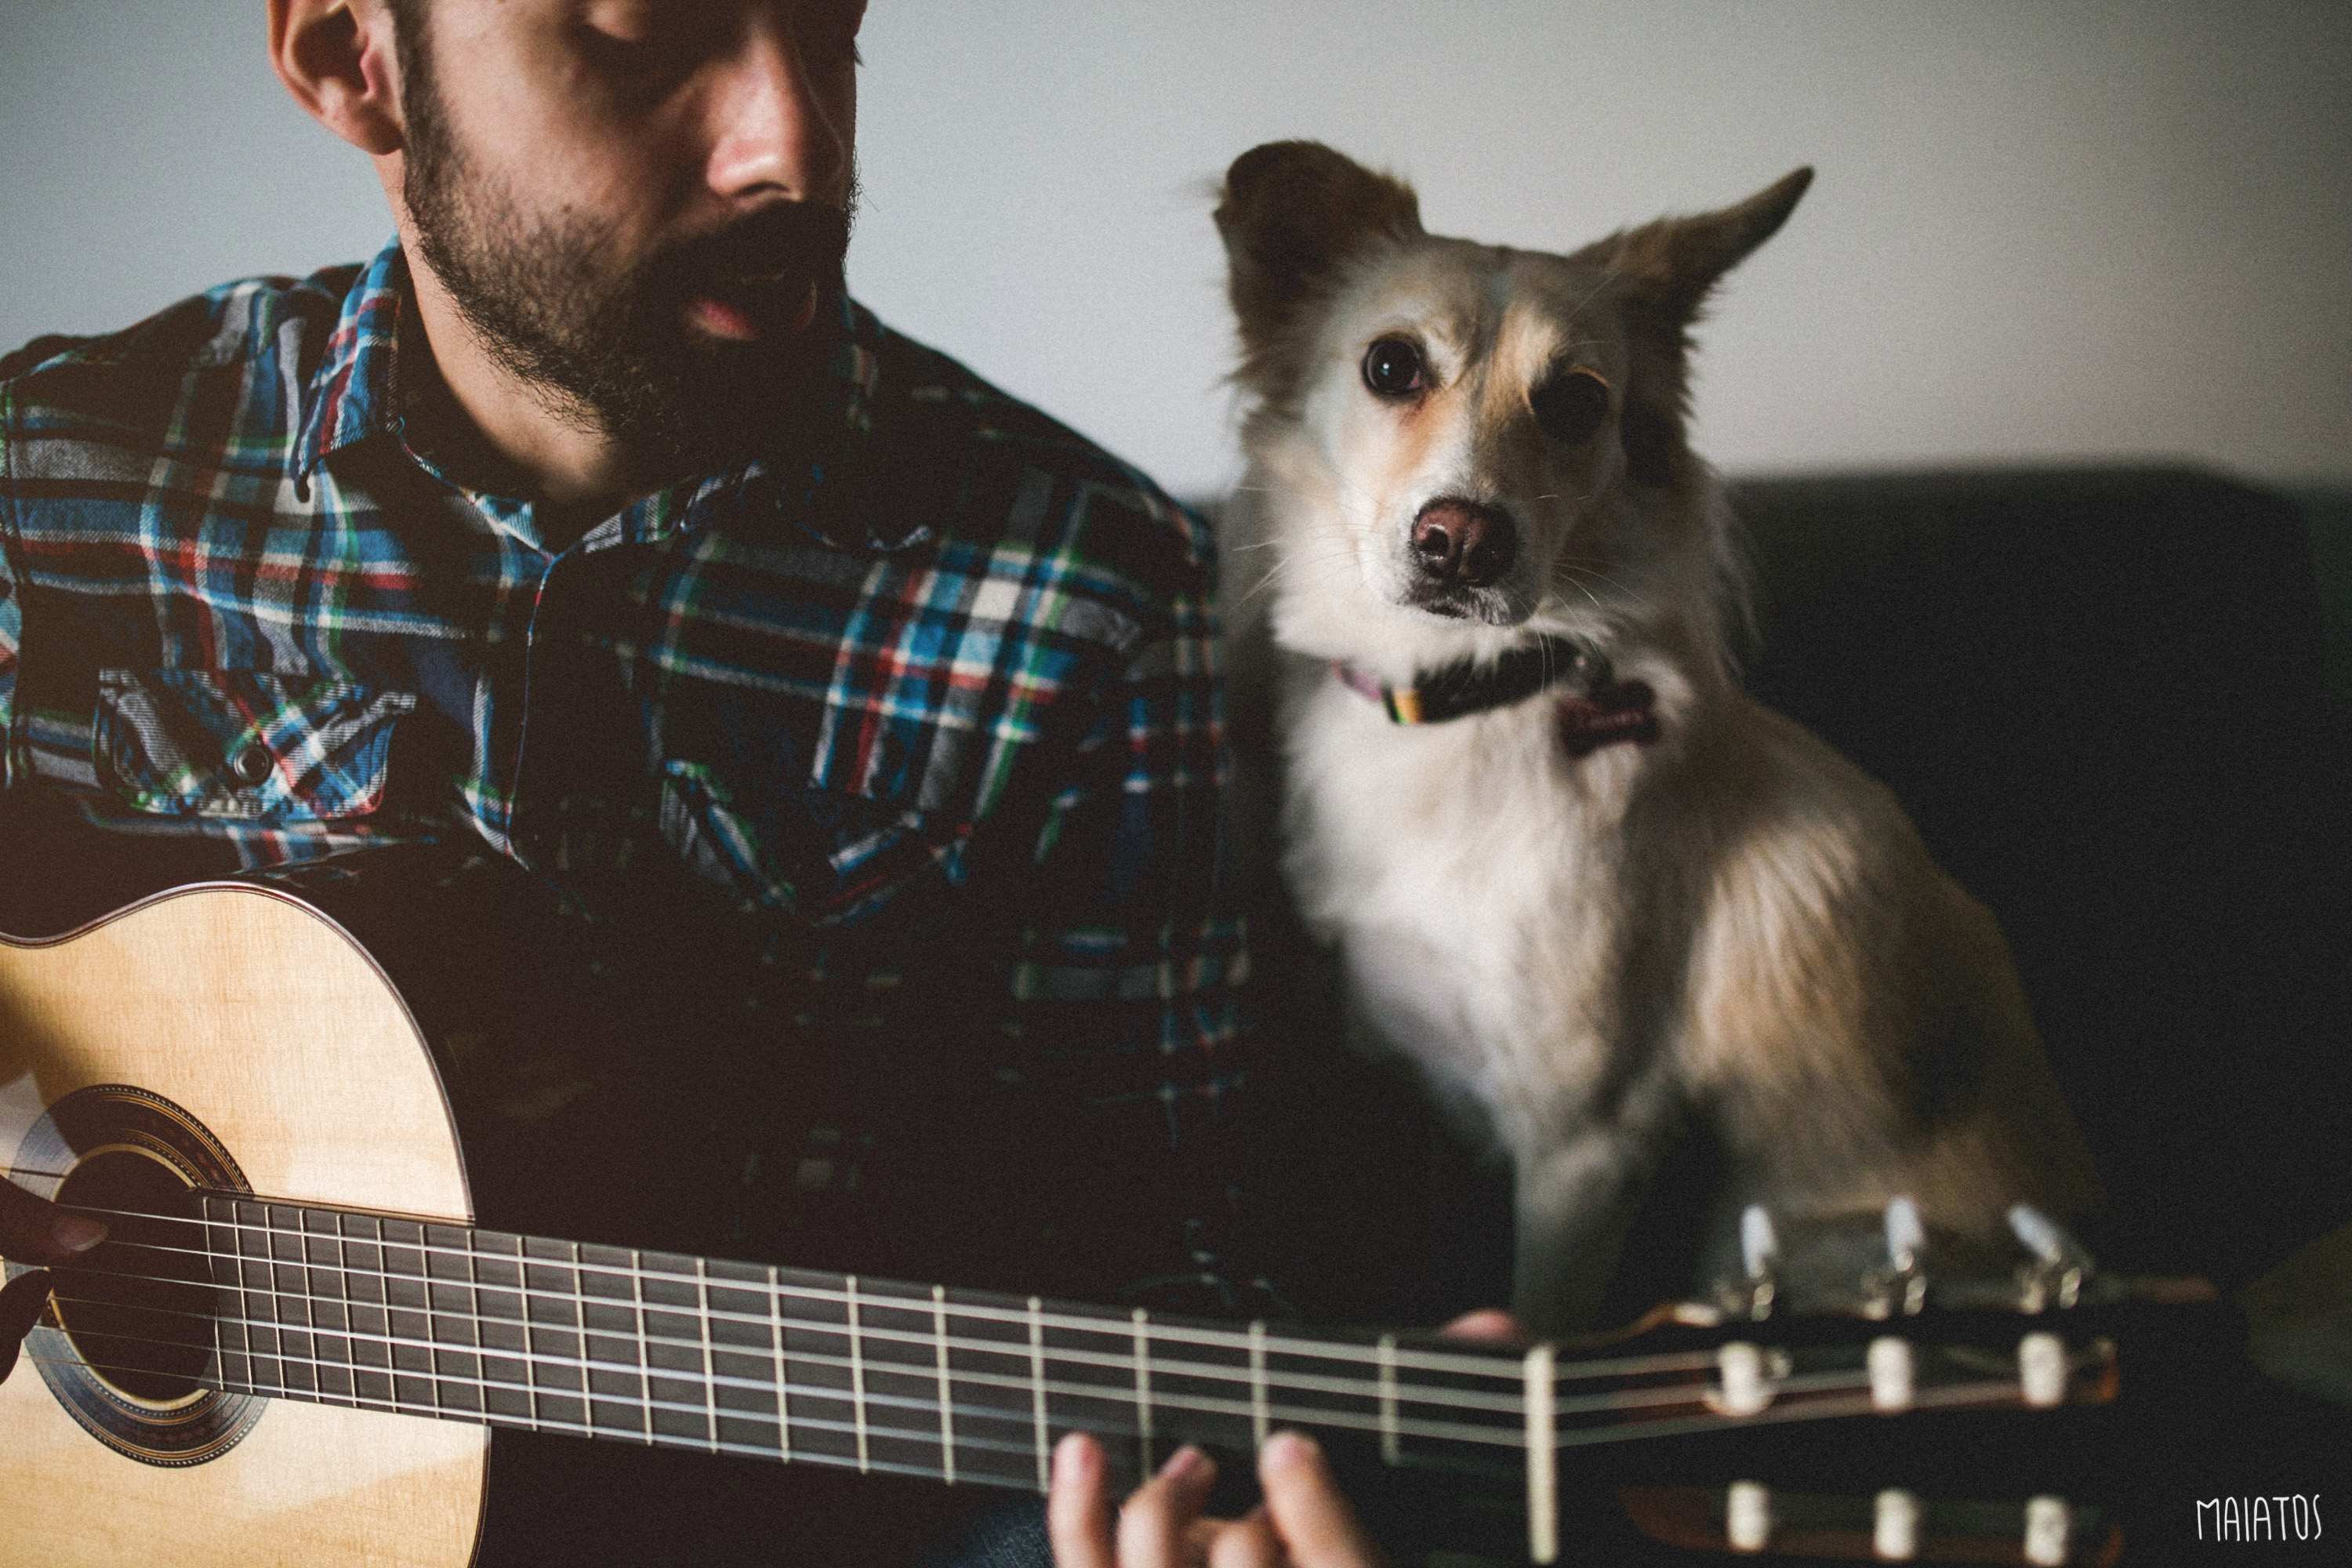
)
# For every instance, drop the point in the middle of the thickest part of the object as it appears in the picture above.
(614, 353)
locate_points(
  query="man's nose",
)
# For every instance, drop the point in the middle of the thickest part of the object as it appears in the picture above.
(773, 132)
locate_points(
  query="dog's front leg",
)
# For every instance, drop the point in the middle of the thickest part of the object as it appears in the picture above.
(1575, 1203)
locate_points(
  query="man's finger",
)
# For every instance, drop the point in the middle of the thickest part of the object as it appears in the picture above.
(20, 1309)
(35, 1231)
(1487, 1325)
(1314, 1521)
(1077, 1508)
(1248, 1542)
(1154, 1523)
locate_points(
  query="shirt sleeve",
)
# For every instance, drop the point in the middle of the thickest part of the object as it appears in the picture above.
(12, 605)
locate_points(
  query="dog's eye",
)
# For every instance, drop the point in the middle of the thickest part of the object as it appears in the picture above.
(1571, 406)
(1392, 368)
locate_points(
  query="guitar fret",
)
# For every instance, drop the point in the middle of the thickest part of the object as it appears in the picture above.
(1541, 1386)
(454, 1317)
(947, 1397)
(296, 1343)
(1261, 1414)
(1392, 1441)
(783, 1408)
(474, 1294)
(644, 1379)
(1143, 1389)
(337, 1289)
(856, 1373)
(533, 1372)
(709, 1371)
(370, 1323)
(1038, 1388)
(503, 1325)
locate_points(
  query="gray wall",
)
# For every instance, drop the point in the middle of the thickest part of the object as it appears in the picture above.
(2041, 229)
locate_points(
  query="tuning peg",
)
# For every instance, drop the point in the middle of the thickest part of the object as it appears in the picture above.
(2041, 1370)
(1895, 1525)
(1894, 1375)
(1751, 1295)
(1903, 1286)
(1747, 1515)
(1906, 1237)
(2059, 1267)
(1759, 1244)
(1747, 1377)
(2048, 1523)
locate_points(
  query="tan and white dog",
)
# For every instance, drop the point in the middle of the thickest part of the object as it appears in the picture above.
(1595, 891)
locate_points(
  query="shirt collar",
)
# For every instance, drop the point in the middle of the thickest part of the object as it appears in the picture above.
(351, 395)
(354, 394)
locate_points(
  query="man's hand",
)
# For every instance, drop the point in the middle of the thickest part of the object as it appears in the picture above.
(33, 1231)
(1303, 1523)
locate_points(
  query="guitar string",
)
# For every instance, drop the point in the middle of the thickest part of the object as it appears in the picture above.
(1815, 1389)
(924, 1341)
(1663, 1364)
(544, 1423)
(1336, 1350)
(1510, 1408)
(1988, 1392)
(1495, 1368)
(1421, 1360)
(916, 1406)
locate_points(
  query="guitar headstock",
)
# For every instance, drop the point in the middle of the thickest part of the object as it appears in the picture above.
(1891, 1266)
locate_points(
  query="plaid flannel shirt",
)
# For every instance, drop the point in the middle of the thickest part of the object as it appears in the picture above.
(942, 685)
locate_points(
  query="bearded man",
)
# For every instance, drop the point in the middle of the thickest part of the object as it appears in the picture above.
(593, 525)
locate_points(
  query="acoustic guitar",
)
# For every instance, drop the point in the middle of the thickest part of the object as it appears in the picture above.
(296, 1343)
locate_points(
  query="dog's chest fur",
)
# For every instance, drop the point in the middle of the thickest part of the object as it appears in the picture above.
(1471, 873)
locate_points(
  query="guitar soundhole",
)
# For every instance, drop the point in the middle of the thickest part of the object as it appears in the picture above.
(130, 1329)
(139, 1311)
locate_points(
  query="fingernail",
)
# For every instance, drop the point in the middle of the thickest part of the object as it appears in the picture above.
(1075, 1459)
(1286, 1448)
(76, 1234)
(1185, 1464)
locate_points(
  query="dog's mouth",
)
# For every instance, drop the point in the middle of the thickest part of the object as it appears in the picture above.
(1486, 606)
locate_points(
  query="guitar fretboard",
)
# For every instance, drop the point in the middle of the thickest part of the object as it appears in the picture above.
(446, 1320)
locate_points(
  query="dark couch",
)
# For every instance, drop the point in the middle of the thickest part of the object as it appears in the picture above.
(2103, 695)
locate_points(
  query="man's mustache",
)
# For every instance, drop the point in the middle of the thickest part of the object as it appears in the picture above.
(794, 242)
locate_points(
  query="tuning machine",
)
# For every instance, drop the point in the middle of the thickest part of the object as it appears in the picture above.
(2054, 1277)
(1902, 1286)
(1751, 1296)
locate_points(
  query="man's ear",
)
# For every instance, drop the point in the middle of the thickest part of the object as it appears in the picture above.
(337, 58)
(1290, 213)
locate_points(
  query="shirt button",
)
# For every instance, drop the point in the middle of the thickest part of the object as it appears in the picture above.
(252, 764)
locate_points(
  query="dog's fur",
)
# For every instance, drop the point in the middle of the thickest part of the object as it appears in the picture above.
(1728, 925)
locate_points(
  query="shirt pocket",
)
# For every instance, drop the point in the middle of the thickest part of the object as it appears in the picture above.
(243, 745)
(831, 859)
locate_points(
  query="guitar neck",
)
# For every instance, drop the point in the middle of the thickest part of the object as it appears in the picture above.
(338, 1307)
(444, 1320)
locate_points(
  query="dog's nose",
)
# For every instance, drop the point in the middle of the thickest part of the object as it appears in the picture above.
(1465, 544)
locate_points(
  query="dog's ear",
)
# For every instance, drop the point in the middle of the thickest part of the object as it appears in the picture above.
(1673, 263)
(1290, 213)
(1666, 269)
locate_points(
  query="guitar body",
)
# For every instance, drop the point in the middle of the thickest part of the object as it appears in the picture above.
(276, 1033)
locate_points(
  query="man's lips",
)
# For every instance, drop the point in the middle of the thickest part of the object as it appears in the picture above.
(746, 310)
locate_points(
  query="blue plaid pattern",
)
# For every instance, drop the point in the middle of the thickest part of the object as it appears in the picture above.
(950, 670)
